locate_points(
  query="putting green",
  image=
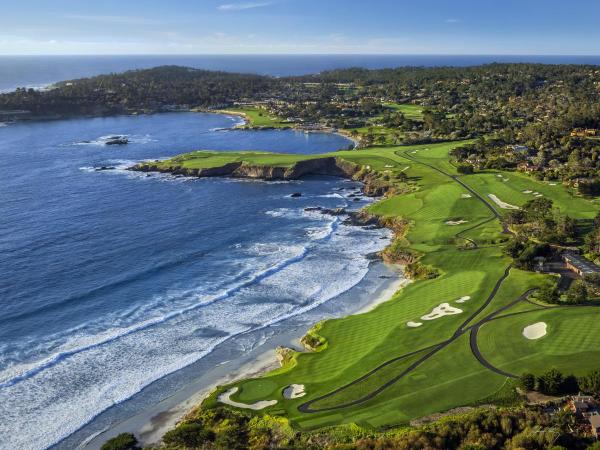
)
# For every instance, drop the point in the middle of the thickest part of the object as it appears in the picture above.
(572, 342)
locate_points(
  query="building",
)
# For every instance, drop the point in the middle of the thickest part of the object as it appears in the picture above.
(579, 264)
(594, 420)
(581, 404)
(581, 132)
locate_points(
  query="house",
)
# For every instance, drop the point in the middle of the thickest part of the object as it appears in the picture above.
(594, 420)
(519, 148)
(584, 132)
(579, 264)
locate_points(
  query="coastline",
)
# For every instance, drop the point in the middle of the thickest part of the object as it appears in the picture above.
(247, 125)
(150, 424)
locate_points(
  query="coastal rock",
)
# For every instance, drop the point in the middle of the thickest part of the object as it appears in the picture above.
(296, 195)
(117, 140)
(284, 355)
(102, 168)
(362, 219)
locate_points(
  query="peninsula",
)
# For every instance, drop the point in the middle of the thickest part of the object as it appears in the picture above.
(488, 176)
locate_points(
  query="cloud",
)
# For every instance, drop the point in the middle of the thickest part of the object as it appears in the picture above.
(120, 20)
(241, 6)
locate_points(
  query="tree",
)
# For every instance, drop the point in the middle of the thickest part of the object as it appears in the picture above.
(527, 381)
(188, 435)
(577, 293)
(548, 293)
(550, 382)
(465, 169)
(590, 383)
(124, 441)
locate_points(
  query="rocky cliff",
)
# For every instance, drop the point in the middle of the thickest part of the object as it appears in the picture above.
(319, 166)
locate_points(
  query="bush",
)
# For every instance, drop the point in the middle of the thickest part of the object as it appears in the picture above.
(465, 169)
(124, 441)
(527, 381)
(189, 435)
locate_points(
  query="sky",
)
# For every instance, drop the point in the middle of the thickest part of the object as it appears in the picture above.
(491, 27)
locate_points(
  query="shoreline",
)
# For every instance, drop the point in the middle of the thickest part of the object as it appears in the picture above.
(247, 125)
(150, 424)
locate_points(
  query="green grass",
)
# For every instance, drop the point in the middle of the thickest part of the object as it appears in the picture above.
(356, 345)
(260, 118)
(210, 159)
(571, 343)
(410, 111)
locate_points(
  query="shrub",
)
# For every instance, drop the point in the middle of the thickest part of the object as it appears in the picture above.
(124, 441)
(465, 169)
(527, 381)
(189, 435)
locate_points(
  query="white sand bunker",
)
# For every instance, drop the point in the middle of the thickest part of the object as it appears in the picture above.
(294, 391)
(440, 311)
(388, 166)
(499, 176)
(527, 192)
(413, 324)
(535, 331)
(465, 196)
(456, 222)
(226, 398)
(552, 184)
(406, 168)
(502, 204)
(464, 299)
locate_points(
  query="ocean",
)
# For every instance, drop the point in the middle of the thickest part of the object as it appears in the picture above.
(39, 71)
(112, 280)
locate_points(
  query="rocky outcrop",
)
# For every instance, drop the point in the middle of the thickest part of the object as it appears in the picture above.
(319, 166)
(373, 184)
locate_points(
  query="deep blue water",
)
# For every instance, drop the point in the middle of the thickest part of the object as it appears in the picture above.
(36, 71)
(113, 279)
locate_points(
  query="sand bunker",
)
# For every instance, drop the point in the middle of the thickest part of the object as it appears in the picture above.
(499, 176)
(552, 184)
(535, 331)
(413, 324)
(502, 204)
(456, 222)
(294, 391)
(225, 398)
(388, 166)
(465, 196)
(440, 311)
(539, 195)
(466, 298)
(527, 192)
(406, 168)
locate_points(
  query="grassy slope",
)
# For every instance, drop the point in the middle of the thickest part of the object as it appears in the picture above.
(414, 112)
(260, 118)
(453, 377)
(208, 159)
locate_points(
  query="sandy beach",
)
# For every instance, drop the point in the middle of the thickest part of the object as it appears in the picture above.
(152, 422)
